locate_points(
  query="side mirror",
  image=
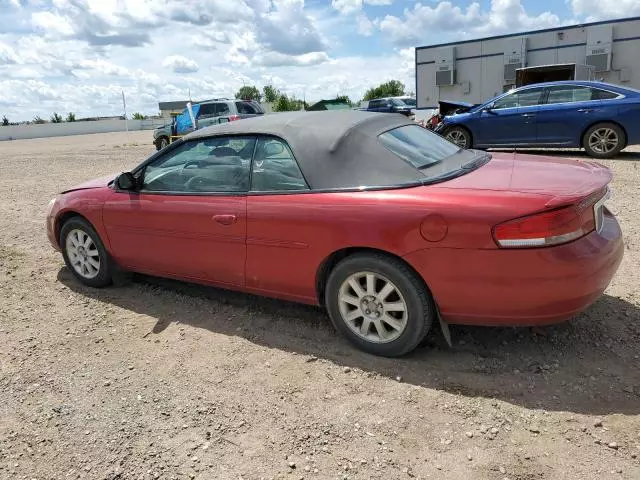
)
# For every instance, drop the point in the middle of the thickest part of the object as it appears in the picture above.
(126, 181)
(489, 108)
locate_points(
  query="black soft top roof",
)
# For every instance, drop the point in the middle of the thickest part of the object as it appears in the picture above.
(335, 149)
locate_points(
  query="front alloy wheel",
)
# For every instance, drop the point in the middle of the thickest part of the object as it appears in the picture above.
(84, 253)
(459, 137)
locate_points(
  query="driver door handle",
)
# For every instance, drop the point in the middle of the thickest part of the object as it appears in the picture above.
(585, 110)
(528, 115)
(225, 219)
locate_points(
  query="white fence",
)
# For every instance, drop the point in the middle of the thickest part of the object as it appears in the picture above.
(17, 132)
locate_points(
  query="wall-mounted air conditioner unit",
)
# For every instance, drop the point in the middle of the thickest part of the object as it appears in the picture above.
(599, 41)
(445, 66)
(515, 57)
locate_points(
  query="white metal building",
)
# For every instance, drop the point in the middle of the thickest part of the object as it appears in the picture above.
(477, 70)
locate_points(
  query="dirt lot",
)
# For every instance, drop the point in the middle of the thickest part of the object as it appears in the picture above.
(159, 379)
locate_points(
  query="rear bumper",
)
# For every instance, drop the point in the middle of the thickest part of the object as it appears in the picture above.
(521, 287)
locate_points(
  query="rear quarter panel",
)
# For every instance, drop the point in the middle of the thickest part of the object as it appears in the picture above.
(628, 115)
(290, 236)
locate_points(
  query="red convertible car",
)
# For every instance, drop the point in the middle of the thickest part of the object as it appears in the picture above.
(388, 225)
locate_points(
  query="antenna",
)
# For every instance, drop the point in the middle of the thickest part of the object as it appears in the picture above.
(126, 125)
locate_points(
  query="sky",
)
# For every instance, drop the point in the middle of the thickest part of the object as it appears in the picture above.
(80, 55)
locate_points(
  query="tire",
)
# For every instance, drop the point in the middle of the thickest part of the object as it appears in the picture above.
(81, 259)
(376, 336)
(162, 142)
(604, 140)
(459, 136)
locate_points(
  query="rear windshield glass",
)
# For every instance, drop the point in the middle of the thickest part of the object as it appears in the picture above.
(418, 146)
(436, 158)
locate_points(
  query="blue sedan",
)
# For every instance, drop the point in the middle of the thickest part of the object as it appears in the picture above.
(600, 117)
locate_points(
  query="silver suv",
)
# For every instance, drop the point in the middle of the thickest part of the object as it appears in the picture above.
(212, 112)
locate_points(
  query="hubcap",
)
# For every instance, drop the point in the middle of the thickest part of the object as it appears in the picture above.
(457, 137)
(603, 140)
(372, 307)
(83, 253)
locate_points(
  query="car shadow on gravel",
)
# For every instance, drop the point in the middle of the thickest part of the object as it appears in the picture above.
(588, 365)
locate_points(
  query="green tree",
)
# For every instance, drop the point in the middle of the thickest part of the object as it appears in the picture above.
(345, 99)
(392, 88)
(37, 119)
(270, 93)
(55, 118)
(138, 116)
(249, 93)
(71, 117)
(5, 121)
(286, 104)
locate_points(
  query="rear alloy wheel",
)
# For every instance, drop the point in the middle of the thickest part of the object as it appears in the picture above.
(604, 140)
(459, 136)
(379, 304)
(84, 253)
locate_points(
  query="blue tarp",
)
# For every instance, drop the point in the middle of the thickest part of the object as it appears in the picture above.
(183, 121)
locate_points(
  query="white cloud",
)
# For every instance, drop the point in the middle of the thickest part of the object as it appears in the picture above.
(346, 6)
(275, 59)
(605, 9)
(7, 55)
(103, 67)
(180, 64)
(52, 23)
(365, 26)
(503, 16)
(350, 6)
(287, 29)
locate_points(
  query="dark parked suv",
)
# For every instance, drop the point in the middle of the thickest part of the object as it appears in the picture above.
(389, 105)
(218, 110)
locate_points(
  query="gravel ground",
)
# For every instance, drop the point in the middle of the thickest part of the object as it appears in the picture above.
(161, 379)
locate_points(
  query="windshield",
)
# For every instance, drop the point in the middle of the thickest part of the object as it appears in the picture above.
(428, 152)
(397, 103)
(409, 101)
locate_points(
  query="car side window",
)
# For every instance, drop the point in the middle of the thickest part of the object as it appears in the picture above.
(374, 104)
(571, 94)
(603, 94)
(245, 108)
(207, 110)
(208, 165)
(274, 168)
(222, 109)
(526, 98)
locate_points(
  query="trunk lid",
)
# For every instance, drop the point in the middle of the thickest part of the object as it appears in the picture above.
(561, 180)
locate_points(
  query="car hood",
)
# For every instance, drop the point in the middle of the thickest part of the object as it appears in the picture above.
(95, 183)
(562, 180)
(448, 107)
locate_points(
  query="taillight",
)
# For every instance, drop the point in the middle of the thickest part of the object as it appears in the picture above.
(233, 118)
(553, 227)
